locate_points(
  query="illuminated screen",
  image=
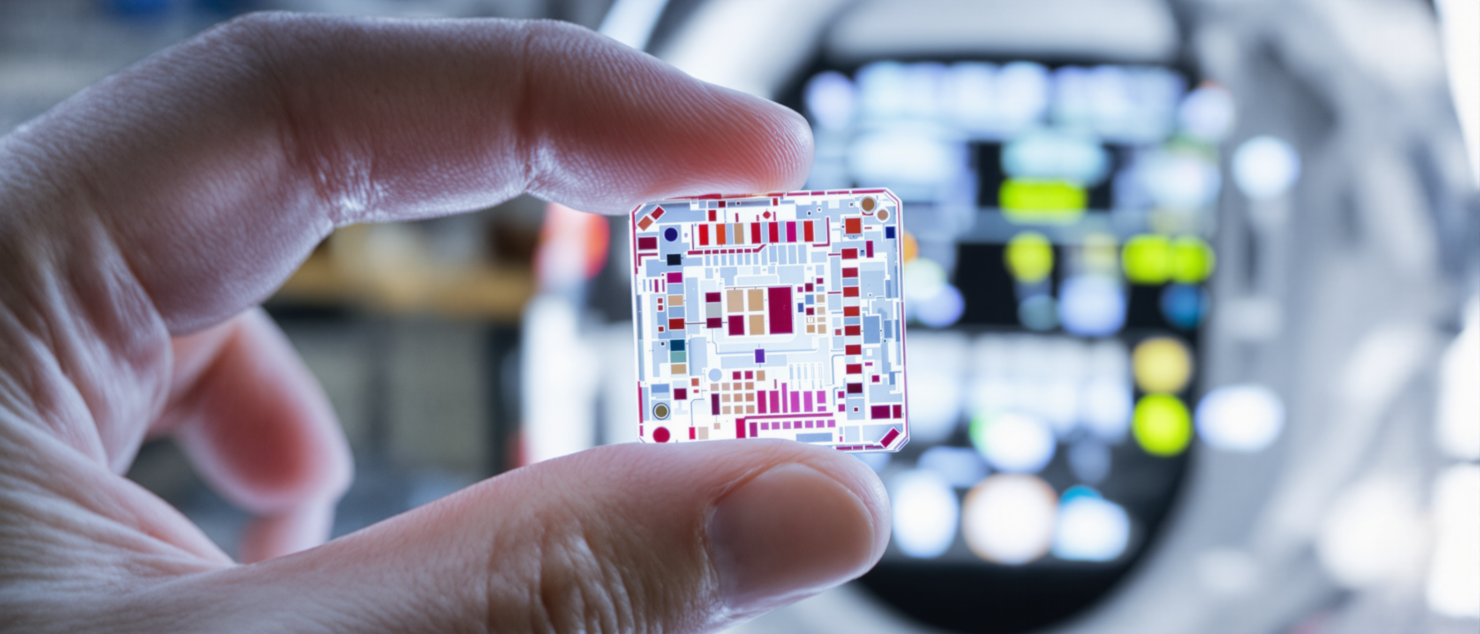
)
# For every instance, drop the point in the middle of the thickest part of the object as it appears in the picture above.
(1055, 259)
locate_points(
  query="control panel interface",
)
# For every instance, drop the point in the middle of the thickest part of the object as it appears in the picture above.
(1056, 268)
(771, 316)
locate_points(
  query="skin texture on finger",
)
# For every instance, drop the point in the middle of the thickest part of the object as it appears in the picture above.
(217, 173)
(178, 193)
(626, 538)
(193, 183)
(259, 429)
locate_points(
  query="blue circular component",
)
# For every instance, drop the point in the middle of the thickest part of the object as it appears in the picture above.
(941, 309)
(670, 234)
(1091, 306)
(1184, 305)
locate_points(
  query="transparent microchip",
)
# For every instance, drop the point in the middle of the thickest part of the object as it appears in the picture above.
(771, 316)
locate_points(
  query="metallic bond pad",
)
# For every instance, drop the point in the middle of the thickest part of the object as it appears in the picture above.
(771, 316)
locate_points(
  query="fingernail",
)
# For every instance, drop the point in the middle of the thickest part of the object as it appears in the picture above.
(790, 532)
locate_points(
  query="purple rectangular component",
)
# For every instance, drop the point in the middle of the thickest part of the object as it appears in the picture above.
(779, 309)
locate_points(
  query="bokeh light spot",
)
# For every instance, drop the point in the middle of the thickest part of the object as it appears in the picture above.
(925, 513)
(1009, 519)
(941, 309)
(1091, 305)
(1090, 528)
(1146, 259)
(1029, 257)
(923, 279)
(1161, 364)
(1192, 260)
(1265, 167)
(1184, 305)
(1161, 425)
(1240, 417)
(1012, 442)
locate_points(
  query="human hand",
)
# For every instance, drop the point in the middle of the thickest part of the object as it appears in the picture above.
(142, 219)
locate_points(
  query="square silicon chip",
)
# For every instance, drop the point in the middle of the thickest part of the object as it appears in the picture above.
(771, 316)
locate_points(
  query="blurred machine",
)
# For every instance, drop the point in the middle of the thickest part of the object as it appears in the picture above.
(1187, 287)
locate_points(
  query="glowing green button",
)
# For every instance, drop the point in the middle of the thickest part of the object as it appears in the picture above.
(1032, 200)
(1192, 260)
(1161, 425)
(1029, 257)
(1146, 259)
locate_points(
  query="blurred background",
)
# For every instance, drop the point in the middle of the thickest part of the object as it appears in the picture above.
(1192, 285)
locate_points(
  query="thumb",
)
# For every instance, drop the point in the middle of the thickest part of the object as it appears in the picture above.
(628, 538)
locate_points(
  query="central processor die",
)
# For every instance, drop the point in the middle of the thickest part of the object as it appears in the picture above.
(771, 316)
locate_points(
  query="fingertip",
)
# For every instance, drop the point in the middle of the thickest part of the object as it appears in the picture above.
(860, 480)
(793, 530)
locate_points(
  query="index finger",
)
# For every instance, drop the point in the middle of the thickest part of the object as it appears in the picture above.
(214, 167)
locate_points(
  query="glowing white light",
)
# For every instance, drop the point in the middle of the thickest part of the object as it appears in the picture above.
(1207, 113)
(1181, 180)
(1073, 101)
(1009, 518)
(906, 156)
(1022, 90)
(1106, 406)
(1110, 100)
(1056, 402)
(1016, 443)
(1459, 400)
(1154, 93)
(1055, 155)
(923, 279)
(1265, 167)
(969, 96)
(941, 309)
(959, 466)
(1091, 305)
(1371, 534)
(881, 90)
(1091, 529)
(1240, 417)
(559, 391)
(1454, 569)
(922, 88)
(1108, 358)
(925, 513)
(936, 363)
(830, 99)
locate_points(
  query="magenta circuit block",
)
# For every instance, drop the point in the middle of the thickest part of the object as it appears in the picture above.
(771, 316)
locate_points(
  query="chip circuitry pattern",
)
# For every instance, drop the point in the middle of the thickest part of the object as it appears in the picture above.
(771, 316)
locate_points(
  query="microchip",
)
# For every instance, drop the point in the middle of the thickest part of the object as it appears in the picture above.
(771, 316)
